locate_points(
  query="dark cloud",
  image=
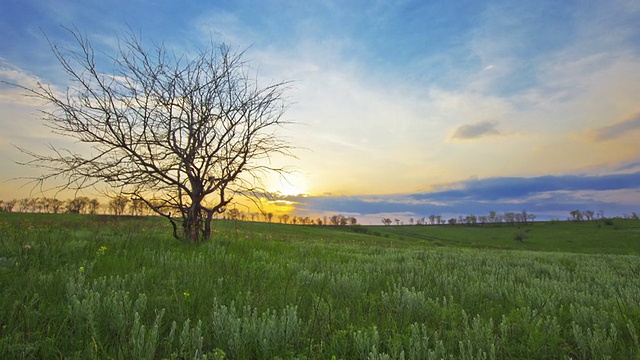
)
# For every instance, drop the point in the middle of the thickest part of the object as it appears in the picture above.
(617, 130)
(476, 130)
(548, 197)
(518, 187)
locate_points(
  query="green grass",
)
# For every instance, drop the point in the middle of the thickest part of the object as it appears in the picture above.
(122, 288)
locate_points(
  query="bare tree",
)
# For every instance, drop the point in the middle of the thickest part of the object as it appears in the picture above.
(576, 215)
(118, 204)
(184, 134)
(233, 214)
(56, 205)
(137, 207)
(588, 214)
(9, 205)
(94, 205)
(77, 205)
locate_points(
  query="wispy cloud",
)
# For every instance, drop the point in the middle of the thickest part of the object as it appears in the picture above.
(633, 165)
(476, 130)
(10, 76)
(616, 130)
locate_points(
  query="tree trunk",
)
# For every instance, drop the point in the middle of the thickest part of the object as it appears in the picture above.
(193, 222)
(207, 225)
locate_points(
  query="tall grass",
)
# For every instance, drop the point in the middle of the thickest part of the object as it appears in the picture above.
(96, 287)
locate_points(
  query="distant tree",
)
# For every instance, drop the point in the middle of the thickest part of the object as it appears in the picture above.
(137, 207)
(269, 217)
(118, 204)
(576, 215)
(397, 221)
(386, 221)
(471, 219)
(9, 205)
(588, 214)
(493, 217)
(233, 214)
(93, 205)
(284, 218)
(453, 221)
(518, 218)
(342, 220)
(24, 205)
(43, 205)
(336, 220)
(410, 221)
(78, 205)
(56, 205)
(509, 217)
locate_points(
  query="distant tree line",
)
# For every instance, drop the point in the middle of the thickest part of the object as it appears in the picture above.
(118, 205)
(493, 217)
(334, 220)
(121, 205)
(588, 215)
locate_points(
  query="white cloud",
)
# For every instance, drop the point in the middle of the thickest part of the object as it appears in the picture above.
(10, 76)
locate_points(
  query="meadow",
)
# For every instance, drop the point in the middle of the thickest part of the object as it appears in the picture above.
(103, 287)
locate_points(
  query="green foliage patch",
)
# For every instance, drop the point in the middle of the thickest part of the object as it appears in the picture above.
(122, 288)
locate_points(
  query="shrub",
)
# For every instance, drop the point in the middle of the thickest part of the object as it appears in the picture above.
(520, 236)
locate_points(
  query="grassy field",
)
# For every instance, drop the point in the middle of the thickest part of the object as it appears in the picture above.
(103, 287)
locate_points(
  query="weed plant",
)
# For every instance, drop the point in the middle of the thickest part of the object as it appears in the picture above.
(90, 287)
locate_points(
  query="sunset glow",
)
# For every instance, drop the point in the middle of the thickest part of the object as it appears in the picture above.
(398, 109)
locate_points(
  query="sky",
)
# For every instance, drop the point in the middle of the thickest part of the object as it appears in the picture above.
(402, 108)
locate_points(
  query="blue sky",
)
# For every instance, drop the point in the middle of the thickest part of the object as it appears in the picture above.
(403, 108)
